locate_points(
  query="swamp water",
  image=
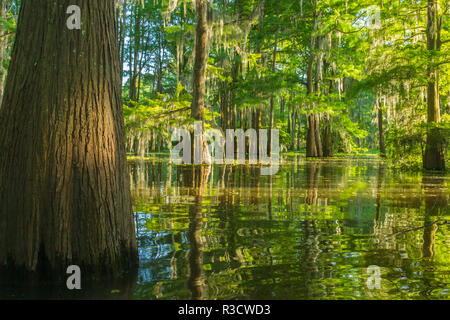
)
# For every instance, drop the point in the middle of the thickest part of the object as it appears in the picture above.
(309, 232)
(316, 230)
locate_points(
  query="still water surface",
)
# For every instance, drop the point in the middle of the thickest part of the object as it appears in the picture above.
(309, 232)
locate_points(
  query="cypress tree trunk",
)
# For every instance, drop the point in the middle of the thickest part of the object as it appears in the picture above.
(122, 35)
(198, 96)
(311, 148)
(64, 186)
(272, 97)
(200, 61)
(328, 141)
(137, 44)
(317, 136)
(380, 129)
(327, 137)
(3, 43)
(434, 150)
(313, 141)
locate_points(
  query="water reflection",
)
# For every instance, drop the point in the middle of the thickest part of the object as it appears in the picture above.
(194, 178)
(310, 232)
(435, 208)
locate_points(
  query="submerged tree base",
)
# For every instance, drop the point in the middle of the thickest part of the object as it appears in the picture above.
(124, 264)
(22, 284)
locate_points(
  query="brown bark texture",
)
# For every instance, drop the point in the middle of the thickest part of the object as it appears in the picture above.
(64, 186)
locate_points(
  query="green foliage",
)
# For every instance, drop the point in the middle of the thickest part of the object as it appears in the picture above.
(161, 114)
(358, 69)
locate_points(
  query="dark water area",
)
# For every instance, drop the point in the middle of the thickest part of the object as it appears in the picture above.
(309, 232)
(315, 230)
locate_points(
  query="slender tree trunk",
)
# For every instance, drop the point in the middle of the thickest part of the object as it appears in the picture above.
(380, 129)
(288, 127)
(3, 43)
(200, 61)
(434, 150)
(64, 192)
(313, 142)
(298, 137)
(258, 109)
(327, 137)
(198, 95)
(137, 45)
(328, 141)
(311, 149)
(294, 131)
(317, 135)
(123, 28)
(272, 97)
(161, 53)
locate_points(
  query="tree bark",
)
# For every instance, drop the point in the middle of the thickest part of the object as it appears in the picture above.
(311, 149)
(434, 158)
(3, 42)
(198, 95)
(380, 129)
(313, 141)
(200, 61)
(64, 185)
(122, 34)
(327, 137)
(137, 44)
(272, 97)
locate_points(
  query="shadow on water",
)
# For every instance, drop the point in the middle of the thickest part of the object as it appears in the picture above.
(117, 289)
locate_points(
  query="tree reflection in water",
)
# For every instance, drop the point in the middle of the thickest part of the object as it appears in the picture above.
(194, 178)
(309, 232)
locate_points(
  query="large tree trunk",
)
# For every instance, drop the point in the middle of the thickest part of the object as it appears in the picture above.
(64, 186)
(434, 151)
